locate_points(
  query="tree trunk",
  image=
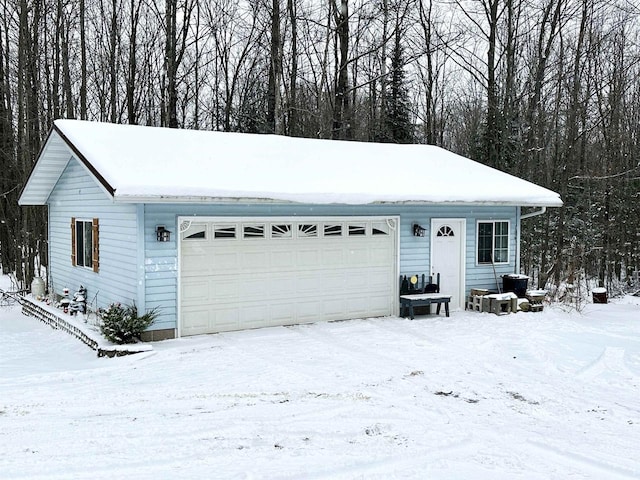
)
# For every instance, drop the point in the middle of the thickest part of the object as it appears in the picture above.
(132, 107)
(493, 140)
(83, 62)
(170, 58)
(293, 127)
(274, 122)
(341, 109)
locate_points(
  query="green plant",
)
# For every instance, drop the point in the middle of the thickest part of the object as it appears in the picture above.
(121, 323)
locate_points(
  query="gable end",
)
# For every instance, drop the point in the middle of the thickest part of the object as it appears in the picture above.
(51, 163)
(110, 190)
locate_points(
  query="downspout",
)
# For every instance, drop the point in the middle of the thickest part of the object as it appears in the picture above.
(535, 213)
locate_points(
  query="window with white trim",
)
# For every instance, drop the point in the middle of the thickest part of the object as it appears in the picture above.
(493, 242)
(84, 243)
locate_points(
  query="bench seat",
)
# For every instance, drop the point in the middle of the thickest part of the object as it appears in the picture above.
(421, 299)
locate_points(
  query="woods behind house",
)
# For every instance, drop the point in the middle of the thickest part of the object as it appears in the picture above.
(544, 89)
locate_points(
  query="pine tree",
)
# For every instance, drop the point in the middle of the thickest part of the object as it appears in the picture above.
(397, 121)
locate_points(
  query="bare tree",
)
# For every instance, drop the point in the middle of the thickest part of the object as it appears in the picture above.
(341, 108)
(274, 120)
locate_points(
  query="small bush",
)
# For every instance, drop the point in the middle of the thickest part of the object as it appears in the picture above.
(121, 323)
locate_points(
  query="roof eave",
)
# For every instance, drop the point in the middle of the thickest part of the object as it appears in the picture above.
(235, 200)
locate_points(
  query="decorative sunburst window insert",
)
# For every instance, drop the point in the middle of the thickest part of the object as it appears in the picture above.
(307, 230)
(445, 231)
(281, 230)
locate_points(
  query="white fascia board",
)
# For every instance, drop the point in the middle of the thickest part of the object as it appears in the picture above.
(235, 200)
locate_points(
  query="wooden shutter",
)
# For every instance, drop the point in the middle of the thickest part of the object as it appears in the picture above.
(73, 242)
(95, 239)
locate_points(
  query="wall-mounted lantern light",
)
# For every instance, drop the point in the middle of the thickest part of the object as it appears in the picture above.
(418, 231)
(162, 234)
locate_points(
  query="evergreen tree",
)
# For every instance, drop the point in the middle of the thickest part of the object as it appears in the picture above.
(398, 127)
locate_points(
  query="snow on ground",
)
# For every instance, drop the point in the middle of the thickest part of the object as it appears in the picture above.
(551, 395)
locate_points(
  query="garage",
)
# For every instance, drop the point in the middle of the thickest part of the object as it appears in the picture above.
(257, 272)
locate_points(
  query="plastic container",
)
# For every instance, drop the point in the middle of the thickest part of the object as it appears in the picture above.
(599, 295)
(37, 288)
(516, 284)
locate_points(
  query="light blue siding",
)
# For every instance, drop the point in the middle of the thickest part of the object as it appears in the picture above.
(78, 195)
(135, 267)
(161, 264)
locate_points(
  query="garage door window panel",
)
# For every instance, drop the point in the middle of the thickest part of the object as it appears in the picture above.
(253, 231)
(332, 230)
(281, 230)
(357, 230)
(380, 228)
(307, 230)
(195, 232)
(224, 231)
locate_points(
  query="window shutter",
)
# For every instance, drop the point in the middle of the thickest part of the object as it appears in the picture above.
(95, 247)
(73, 241)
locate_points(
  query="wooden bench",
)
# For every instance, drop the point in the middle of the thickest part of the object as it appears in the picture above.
(421, 299)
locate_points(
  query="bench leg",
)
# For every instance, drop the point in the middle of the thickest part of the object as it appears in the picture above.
(411, 311)
(437, 308)
(446, 308)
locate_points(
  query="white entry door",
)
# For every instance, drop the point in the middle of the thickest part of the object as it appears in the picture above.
(448, 257)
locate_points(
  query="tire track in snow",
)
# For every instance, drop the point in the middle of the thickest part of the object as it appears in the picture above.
(331, 338)
(387, 466)
(611, 361)
(599, 467)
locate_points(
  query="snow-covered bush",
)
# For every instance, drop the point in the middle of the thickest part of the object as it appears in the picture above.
(121, 323)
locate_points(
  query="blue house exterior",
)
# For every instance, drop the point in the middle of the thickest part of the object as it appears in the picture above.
(342, 259)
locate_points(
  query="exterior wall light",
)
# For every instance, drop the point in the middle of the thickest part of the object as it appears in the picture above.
(162, 234)
(418, 231)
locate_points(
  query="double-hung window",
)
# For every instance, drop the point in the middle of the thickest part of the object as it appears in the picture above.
(84, 243)
(493, 242)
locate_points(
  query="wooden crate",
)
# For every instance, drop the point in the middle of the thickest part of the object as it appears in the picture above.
(479, 292)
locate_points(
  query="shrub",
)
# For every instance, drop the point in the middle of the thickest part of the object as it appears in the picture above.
(121, 323)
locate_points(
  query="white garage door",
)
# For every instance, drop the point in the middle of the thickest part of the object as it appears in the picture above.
(253, 272)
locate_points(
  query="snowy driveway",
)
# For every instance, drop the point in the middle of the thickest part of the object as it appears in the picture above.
(474, 396)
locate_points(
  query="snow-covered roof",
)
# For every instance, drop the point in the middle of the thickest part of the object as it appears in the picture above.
(150, 164)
